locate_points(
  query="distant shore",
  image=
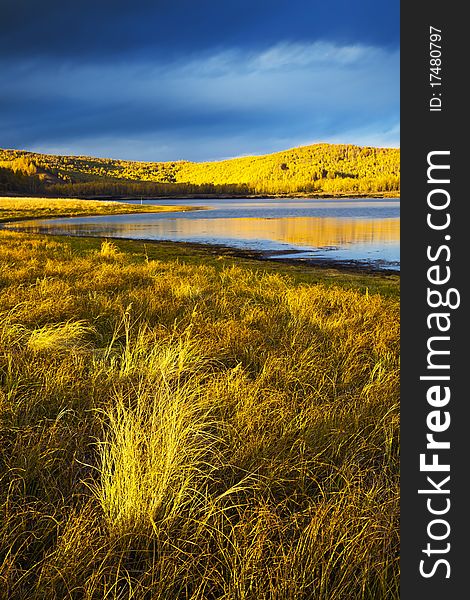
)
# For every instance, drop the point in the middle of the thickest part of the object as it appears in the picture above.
(319, 195)
(27, 208)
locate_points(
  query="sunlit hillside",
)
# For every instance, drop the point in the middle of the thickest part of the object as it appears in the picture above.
(320, 168)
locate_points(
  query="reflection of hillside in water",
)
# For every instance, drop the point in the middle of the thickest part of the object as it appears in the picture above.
(317, 232)
(305, 231)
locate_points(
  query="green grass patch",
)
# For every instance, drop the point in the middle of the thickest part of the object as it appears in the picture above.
(386, 284)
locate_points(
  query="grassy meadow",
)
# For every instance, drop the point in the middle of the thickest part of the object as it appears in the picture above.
(178, 424)
(17, 209)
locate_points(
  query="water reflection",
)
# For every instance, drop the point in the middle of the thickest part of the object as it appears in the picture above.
(367, 240)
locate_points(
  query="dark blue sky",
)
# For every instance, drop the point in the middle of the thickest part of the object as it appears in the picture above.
(197, 80)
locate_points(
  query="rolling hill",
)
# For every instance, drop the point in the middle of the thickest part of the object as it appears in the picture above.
(333, 169)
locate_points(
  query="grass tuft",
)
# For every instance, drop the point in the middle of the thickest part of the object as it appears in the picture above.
(59, 336)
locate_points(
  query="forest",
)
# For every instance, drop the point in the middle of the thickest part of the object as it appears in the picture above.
(334, 169)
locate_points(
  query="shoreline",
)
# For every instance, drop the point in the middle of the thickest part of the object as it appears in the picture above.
(94, 214)
(15, 209)
(352, 266)
(221, 250)
(282, 257)
(317, 195)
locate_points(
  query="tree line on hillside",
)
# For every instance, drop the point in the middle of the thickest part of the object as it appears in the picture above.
(321, 168)
(18, 175)
(151, 189)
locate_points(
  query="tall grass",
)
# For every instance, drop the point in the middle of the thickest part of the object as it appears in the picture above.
(173, 430)
(158, 441)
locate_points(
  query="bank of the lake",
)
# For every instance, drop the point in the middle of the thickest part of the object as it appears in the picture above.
(21, 208)
(357, 234)
(211, 196)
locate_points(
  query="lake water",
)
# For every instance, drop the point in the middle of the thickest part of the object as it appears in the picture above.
(362, 232)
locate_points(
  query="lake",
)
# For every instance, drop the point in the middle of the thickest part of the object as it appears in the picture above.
(363, 232)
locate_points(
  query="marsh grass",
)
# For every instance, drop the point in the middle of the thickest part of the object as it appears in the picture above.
(59, 336)
(193, 431)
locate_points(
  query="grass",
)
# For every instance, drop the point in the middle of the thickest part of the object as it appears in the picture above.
(18, 209)
(182, 424)
(220, 258)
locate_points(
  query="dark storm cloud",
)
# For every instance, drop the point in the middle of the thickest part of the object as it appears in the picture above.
(161, 28)
(168, 80)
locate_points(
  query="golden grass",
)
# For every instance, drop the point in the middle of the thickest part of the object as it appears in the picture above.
(14, 209)
(59, 336)
(174, 430)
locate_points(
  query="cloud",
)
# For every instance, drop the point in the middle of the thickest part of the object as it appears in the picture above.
(161, 29)
(205, 106)
(288, 55)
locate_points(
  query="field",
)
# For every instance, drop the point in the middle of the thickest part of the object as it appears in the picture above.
(17, 209)
(179, 424)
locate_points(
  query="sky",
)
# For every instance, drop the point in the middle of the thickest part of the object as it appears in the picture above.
(197, 80)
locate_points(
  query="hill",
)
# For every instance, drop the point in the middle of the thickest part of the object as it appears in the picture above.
(315, 169)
